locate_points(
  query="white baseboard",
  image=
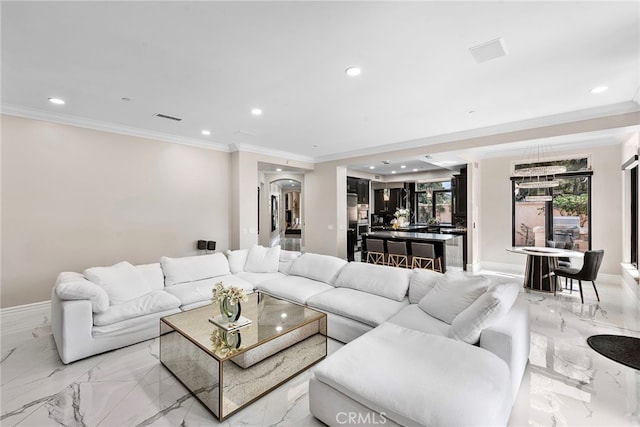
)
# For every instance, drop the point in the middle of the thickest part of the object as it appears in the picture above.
(23, 318)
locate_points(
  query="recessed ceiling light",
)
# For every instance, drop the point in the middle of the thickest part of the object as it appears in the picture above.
(599, 89)
(206, 132)
(353, 71)
(256, 111)
(393, 171)
(415, 170)
(279, 170)
(372, 167)
(56, 101)
(403, 167)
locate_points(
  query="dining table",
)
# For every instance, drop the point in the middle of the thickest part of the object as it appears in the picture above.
(541, 264)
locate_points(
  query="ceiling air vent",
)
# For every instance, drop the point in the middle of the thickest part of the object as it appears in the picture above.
(164, 116)
(489, 50)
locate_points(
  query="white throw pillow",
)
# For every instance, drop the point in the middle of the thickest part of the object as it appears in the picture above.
(192, 268)
(484, 312)
(122, 281)
(262, 260)
(153, 275)
(422, 281)
(451, 295)
(237, 259)
(79, 289)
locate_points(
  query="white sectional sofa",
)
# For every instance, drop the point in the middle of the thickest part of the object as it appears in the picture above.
(413, 335)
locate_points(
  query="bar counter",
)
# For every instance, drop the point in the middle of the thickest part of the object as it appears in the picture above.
(447, 246)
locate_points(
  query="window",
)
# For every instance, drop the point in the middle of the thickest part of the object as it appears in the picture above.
(433, 202)
(560, 214)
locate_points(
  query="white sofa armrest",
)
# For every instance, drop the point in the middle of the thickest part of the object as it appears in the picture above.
(71, 324)
(510, 339)
(74, 286)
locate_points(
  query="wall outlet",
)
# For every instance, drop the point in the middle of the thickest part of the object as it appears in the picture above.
(330, 227)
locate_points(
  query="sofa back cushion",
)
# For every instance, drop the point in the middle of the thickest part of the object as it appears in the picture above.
(153, 274)
(121, 281)
(484, 312)
(237, 259)
(262, 260)
(192, 268)
(323, 268)
(286, 260)
(451, 295)
(388, 282)
(421, 283)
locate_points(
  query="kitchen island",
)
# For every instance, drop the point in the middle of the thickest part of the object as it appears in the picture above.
(447, 246)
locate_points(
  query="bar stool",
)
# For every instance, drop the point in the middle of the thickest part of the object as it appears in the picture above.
(424, 256)
(398, 254)
(375, 251)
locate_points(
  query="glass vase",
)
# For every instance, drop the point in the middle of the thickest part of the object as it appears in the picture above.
(230, 312)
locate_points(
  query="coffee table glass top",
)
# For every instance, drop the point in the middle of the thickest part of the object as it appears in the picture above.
(271, 318)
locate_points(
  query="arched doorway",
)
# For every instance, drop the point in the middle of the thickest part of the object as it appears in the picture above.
(284, 207)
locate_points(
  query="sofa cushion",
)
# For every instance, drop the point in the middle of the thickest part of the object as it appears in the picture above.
(415, 377)
(202, 290)
(128, 331)
(192, 268)
(388, 282)
(236, 260)
(484, 312)
(286, 260)
(152, 302)
(293, 288)
(153, 274)
(262, 260)
(255, 278)
(413, 317)
(323, 268)
(74, 286)
(450, 296)
(422, 281)
(357, 305)
(122, 281)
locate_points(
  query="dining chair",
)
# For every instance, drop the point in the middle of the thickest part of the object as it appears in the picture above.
(589, 271)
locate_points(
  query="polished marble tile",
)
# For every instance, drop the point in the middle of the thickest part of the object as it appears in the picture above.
(565, 384)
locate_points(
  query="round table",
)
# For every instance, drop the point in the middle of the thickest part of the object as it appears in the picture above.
(541, 262)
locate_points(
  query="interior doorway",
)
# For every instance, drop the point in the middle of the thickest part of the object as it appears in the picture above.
(285, 211)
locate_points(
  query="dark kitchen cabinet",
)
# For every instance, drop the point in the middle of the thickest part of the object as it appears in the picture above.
(360, 187)
(459, 194)
(388, 207)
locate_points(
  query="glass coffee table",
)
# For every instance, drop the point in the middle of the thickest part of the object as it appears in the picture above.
(228, 370)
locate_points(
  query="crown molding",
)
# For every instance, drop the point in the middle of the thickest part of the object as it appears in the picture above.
(530, 124)
(269, 152)
(14, 110)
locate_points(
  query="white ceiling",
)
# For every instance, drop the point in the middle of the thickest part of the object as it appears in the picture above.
(210, 63)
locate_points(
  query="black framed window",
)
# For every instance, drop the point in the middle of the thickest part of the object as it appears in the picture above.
(634, 216)
(559, 214)
(433, 202)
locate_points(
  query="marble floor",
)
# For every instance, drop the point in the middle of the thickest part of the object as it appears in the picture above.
(566, 383)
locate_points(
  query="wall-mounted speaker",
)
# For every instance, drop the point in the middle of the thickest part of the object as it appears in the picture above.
(202, 244)
(211, 245)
